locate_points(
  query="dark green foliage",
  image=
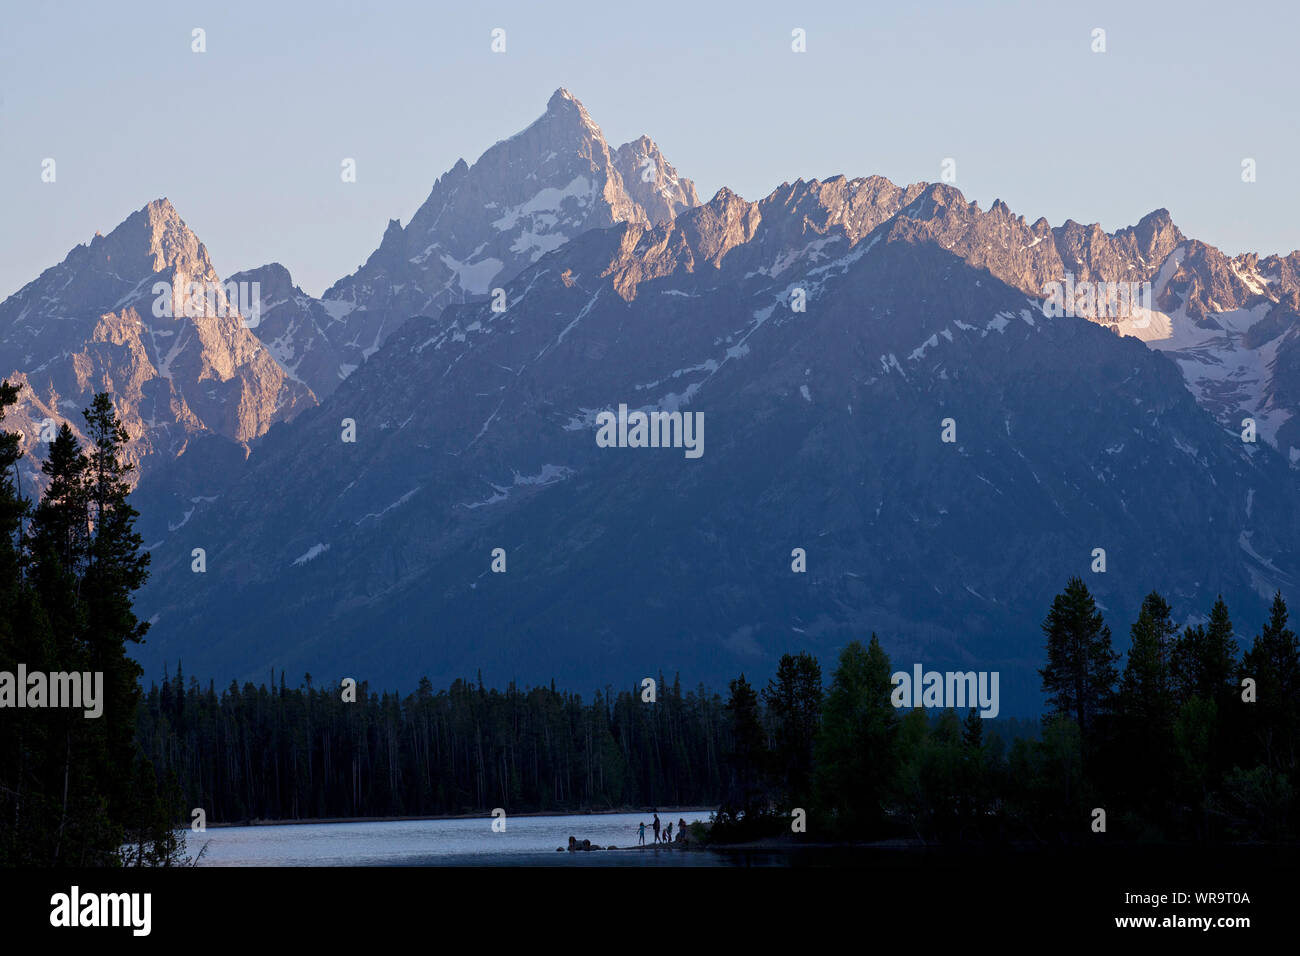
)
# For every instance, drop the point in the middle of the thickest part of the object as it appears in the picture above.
(1204, 659)
(1273, 662)
(1045, 794)
(281, 752)
(747, 753)
(930, 789)
(794, 703)
(744, 806)
(72, 788)
(1146, 689)
(1080, 675)
(1187, 755)
(1146, 709)
(856, 752)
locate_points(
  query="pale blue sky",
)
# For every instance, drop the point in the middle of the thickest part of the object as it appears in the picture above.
(246, 139)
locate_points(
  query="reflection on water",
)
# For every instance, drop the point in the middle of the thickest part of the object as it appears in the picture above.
(527, 841)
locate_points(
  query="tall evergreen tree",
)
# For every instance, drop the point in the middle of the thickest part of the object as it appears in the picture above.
(794, 701)
(60, 544)
(856, 748)
(1080, 675)
(77, 783)
(1273, 661)
(1146, 706)
(24, 638)
(1204, 661)
(116, 568)
(748, 752)
(1146, 690)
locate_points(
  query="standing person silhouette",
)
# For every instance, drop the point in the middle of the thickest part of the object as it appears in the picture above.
(681, 829)
(656, 827)
(642, 834)
(668, 832)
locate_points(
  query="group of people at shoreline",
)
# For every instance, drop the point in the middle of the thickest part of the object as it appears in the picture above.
(664, 834)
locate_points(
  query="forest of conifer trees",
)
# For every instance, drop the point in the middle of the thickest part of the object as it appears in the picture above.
(301, 752)
(75, 791)
(1172, 745)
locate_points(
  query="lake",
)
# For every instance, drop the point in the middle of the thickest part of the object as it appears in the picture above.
(527, 841)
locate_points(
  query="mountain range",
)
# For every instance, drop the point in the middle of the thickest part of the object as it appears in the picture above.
(831, 335)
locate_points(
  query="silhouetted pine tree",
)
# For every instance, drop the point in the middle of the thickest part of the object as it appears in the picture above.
(1079, 678)
(794, 700)
(1209, 721)
(1274, 662)
(747, 754)
(25, 832)
(1146, 707)
(1204, 662)
(71, 785)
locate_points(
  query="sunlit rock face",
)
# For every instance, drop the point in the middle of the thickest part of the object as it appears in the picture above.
(117, 315)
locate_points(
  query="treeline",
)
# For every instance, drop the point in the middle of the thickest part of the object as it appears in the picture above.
(74, 790)
(1189, 741)
(1192, 739)
(292, 753)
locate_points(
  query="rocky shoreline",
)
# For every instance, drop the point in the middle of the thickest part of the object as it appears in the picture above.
(583, 846)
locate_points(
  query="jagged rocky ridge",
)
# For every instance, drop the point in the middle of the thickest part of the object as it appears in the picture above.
(89, 324)
(1231, 323)
(476, 431)
(481, 224)
(208, 387)
(693, 313)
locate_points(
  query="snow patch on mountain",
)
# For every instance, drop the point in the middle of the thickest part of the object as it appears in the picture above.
(547, 205)
(311, 554)
(398, 503)
(338, 308)
(548, 475)
(1226, 377)
(474, 277)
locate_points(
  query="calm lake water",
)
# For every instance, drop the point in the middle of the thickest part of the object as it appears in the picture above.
(527, 841)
